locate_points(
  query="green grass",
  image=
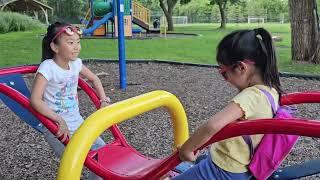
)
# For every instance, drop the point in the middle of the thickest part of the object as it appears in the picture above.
(25, 47)
(19, 48)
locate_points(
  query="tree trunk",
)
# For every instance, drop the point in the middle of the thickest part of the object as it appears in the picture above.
(316, 57)
(304, 30)
(168, 11)
(222, 9)
(169, 21)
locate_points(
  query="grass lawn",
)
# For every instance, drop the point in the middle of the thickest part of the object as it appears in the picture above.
(20, 48)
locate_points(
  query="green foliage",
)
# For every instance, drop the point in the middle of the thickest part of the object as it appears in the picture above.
(153, 5)
(235, 13)
(318, 6)
(10, 21)
(70, 11)
(183, 2)
(236, 10)
(213, 2)
(275, 6)
(4, 25)
(272, 10)
(196, 10)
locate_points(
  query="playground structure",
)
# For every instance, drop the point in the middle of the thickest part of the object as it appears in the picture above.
(118, 160)
(101, 18)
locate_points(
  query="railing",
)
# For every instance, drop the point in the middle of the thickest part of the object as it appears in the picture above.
(140, 12)
(87, 17)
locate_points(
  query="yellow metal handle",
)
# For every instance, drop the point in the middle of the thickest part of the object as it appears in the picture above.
(77, 149)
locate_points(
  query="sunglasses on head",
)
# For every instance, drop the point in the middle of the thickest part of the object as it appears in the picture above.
(223, 70)
(69, 30)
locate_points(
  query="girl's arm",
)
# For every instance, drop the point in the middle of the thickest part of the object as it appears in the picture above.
(230, 113)
(39, 85)
(94, 79)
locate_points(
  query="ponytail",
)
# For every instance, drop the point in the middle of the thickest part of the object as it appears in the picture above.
(47, 52)
(270, 72)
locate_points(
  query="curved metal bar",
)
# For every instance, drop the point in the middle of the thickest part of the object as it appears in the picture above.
(19, 69)
(300, 97)
(75, 153)
(292, 126)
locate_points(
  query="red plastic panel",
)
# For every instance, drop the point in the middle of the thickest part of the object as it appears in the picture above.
(123, 161)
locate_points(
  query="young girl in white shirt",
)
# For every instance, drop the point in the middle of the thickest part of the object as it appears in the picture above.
(54, 92)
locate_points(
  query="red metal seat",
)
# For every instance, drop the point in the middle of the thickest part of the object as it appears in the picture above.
(125, 161)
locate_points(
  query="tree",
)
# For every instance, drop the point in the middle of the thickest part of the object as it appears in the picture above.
(68, 10)
(167, 7)
(222, 8)
(304, 31)
(274, 8)
(237, 13)
(153, 5)
(196, 10)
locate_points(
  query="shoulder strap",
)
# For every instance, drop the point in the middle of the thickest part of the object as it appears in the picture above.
(247, 138)
(271, 100)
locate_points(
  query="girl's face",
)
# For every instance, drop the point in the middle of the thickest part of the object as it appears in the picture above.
(68, 47)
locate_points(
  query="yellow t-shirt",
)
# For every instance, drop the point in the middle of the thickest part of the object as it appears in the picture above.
(233, 154)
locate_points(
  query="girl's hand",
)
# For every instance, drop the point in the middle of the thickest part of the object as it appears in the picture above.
(105, 102)
(186, 155)
(63, 129)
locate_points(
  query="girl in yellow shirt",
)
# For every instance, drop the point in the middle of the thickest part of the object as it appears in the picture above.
(247, 60)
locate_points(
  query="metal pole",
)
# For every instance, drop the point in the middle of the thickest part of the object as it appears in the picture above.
(91, 9)
(121, 45)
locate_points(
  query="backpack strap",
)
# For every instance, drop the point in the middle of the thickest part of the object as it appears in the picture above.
(247, 138)
(271, 100)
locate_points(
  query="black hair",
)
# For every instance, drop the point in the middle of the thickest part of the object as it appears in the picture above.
(52, 30)
(255, 45)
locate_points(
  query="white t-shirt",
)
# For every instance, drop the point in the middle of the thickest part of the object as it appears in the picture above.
(61, 92)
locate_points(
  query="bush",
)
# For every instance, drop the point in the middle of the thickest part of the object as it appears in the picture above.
(4, 25)
(10, 21)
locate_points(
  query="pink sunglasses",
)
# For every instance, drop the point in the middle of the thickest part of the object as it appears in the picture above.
(69, 30)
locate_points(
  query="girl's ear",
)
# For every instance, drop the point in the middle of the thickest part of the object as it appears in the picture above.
(54, 47)
(242, 67)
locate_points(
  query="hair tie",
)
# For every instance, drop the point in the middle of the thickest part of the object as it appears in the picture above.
(258, 31)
